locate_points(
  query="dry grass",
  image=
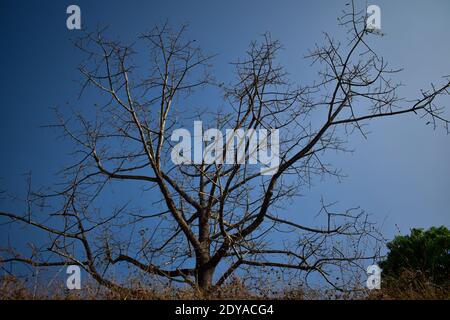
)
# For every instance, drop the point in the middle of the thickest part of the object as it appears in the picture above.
(408, 286)
(411, 286)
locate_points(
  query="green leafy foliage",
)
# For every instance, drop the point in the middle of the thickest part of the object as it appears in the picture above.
(424, 252)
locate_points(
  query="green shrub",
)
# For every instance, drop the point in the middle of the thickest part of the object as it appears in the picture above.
(426, 253)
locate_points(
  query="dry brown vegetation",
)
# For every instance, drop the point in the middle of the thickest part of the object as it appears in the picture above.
(409, 287)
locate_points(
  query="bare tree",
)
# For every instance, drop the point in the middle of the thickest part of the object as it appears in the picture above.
(210, 220)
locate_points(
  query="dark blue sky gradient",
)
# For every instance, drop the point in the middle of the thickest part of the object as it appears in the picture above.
(400, 174)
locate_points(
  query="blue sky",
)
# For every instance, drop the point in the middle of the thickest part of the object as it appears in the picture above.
(400, 174)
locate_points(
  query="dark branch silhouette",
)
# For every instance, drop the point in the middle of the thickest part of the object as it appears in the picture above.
(210, 220)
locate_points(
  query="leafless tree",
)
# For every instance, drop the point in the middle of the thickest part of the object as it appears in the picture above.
(209, 220)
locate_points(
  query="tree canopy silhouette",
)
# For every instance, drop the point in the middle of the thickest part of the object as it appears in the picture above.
(423, 251)
(208, 221)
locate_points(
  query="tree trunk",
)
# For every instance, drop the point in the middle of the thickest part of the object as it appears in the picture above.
(204, 271)
(204, 279)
